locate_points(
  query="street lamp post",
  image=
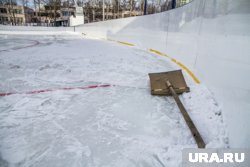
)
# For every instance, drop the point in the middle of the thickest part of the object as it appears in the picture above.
(103, 17)
(145, 7)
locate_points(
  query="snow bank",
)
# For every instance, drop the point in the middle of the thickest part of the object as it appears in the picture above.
(36, 30)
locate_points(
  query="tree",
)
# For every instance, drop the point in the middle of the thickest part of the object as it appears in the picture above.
(3, 2)
(54, 6)
(25, 5)
(10, 5)
(115, 4)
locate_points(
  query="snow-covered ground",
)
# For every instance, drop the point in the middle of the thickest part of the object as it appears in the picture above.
(118, 125)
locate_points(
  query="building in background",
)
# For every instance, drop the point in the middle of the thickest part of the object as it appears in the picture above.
(15, 14)
(48, 15)
(77, 18)
(71, 13)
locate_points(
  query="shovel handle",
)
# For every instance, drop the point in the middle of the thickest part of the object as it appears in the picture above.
(200, 142)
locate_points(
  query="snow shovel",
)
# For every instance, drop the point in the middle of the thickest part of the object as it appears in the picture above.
(173, 83)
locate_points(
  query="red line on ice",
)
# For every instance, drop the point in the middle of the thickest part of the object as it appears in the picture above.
(51, 90)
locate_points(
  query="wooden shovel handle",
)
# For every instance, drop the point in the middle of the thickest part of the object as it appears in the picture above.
(200, 142)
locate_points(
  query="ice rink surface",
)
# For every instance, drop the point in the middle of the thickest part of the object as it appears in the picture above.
(119, 125)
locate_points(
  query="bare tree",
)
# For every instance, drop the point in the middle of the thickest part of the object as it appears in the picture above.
(54, 6)
(142, 3)
(10, 4)
(25, 4)
(164, 5)
(115, 5)
(3, 2)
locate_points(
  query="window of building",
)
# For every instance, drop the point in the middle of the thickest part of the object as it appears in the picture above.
(65, 13)
(19, 20)
(3, 10)
(44, 14)
(18, 11)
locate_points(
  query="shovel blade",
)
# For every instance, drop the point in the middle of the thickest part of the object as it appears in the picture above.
(158, 82)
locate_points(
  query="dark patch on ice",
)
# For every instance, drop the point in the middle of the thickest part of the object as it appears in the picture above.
(158, 160)
(68, 70)
(48, 66)
(13, 66)
(3, 163)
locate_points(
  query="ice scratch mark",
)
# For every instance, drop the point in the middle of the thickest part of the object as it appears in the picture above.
(35, 42)
(158, 160)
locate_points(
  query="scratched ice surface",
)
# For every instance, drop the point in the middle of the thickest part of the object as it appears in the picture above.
(120, 125)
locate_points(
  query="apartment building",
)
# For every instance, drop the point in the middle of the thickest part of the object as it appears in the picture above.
(63, 16)
(15, 15)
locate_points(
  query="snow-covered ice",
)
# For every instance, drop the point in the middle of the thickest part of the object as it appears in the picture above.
(120, 125)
